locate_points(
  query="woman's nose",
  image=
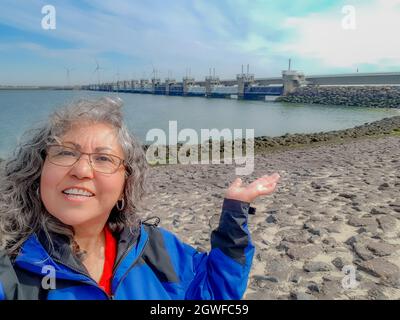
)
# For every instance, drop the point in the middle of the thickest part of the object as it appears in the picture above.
(82, 168)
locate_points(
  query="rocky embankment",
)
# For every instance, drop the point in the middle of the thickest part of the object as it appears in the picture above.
(381, 127)
(362, 96)
(385, 126)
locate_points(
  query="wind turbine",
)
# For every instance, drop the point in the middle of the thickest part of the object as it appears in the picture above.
(96, 70)
(118, 75)
(68, 70)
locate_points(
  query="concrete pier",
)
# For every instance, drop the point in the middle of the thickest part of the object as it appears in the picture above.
(246, 86)
(187, 81)
(243, 81)
(154, 83)
(168, 84)
(211, 81)
(292, 80)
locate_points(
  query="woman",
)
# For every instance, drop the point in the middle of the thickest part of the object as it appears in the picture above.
(69, 229)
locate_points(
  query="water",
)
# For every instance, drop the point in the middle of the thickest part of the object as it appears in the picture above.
(19, 110)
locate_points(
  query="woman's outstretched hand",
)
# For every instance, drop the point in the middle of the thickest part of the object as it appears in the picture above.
(262, 186)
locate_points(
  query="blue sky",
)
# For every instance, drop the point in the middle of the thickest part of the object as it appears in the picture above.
(130, 38)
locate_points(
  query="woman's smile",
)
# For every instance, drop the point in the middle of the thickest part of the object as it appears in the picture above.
(76, 194)
(76, 197)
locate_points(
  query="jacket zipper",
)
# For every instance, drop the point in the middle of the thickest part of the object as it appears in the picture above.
(123, 256)
(130, 268)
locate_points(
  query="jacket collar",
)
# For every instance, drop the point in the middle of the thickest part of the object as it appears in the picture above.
(36, 253)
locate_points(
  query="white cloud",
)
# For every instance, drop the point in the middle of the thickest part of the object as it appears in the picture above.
(374, 41)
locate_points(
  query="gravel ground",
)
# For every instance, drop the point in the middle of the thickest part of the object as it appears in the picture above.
(336, 205)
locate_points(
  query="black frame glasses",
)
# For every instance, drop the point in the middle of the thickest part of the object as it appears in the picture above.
(112, 159)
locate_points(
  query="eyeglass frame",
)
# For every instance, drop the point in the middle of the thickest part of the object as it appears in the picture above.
(122, 161)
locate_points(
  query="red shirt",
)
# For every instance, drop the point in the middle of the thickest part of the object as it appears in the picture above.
(110, 254)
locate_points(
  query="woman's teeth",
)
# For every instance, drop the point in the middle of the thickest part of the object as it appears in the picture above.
(78, 193)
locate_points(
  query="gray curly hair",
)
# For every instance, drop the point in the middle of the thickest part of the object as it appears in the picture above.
(22, 212)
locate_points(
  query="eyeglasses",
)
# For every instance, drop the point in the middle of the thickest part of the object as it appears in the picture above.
(66, 157)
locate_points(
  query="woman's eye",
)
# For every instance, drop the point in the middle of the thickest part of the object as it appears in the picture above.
(66, 153)
(103, 159)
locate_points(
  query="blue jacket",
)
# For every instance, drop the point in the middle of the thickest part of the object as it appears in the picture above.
(151, 264)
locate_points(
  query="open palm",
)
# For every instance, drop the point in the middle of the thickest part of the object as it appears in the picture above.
(262, 186)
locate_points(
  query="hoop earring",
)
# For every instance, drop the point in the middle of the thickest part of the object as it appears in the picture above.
(38, 192)
(120, 208)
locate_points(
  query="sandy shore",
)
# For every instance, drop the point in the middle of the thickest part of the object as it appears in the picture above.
(336, 205)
